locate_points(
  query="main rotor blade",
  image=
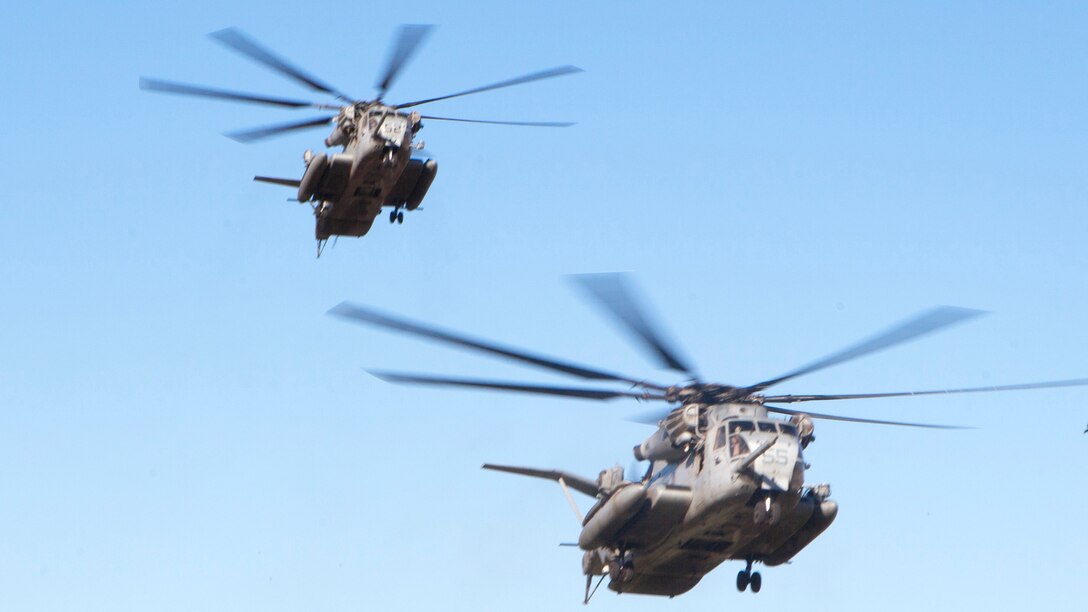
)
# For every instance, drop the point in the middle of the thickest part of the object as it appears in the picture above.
(372, 317)
(248, 136)
(834, 417)
(224, 94)
(409, 37)
(1053, 384)
(235, 39)
(925, 323)
(594, 394)
(536, 76)
(525, 123)
(614, 294)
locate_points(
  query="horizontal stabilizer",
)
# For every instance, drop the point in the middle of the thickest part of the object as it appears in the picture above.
(278, 181)
(578, 483)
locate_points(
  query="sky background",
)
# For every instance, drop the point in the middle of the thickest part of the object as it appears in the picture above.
(183, 428)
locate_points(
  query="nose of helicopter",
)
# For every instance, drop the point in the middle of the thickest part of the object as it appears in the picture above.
(781, 467)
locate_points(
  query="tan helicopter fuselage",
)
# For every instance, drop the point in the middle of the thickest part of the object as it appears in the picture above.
(738, 493)
(375, 170)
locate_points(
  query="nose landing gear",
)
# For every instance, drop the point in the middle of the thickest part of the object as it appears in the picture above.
(767, 511)
(747, 577)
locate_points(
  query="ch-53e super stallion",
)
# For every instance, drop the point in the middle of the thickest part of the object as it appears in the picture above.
(726, 479)
(376, 169)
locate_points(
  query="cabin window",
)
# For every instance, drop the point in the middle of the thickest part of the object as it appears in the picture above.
(737, 446)
(788, 429)
(765, 426)
(736, 426)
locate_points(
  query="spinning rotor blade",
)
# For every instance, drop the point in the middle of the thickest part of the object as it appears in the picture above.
(247, 136)
(613, 293)
(409, 37)
(928, 322)
(241, 43)
(832, 417)
(1054, 384)
(372, 317)
(223, 94)
(594, 394)
(536, 76)
(525, 123)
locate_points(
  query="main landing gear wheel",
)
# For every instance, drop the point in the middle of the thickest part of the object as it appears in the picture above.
(393, 216)
(400, 217)
(746, 577)
(768, 511)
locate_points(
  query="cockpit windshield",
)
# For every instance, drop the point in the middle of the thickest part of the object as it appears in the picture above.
(741, 426)
(788, 429)
(765, 426)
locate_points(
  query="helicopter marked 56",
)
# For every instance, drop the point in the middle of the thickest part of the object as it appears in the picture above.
(348, 190)
(726, 479)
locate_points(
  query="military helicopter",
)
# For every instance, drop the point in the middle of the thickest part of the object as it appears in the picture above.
(726, 479)
(376, 170)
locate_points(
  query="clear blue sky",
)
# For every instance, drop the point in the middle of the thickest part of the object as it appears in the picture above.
(182, 428)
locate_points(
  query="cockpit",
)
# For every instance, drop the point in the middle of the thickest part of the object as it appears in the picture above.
(735, 433)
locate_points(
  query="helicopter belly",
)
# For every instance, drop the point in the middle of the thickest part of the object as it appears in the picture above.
(361, 179)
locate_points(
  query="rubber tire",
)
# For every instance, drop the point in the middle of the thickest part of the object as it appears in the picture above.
(759, 514)
(393, 216)
(742, 580)
(400, 217)
(756, 582)
(775, 514)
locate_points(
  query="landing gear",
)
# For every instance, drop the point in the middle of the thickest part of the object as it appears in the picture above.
(396, 216)
(747, 577)
(767, 511)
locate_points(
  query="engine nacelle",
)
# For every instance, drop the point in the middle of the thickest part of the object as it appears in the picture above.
(606, 520)
(678, 432)
(311, 180)
(423, 183)
(659, 447)
(822, 516)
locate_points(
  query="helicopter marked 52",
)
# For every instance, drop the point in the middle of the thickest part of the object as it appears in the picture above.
(726, 479)
(348, 190)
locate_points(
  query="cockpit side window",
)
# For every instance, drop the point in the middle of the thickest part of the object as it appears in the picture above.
(719, 440)
(788, 429)
(765, 426)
